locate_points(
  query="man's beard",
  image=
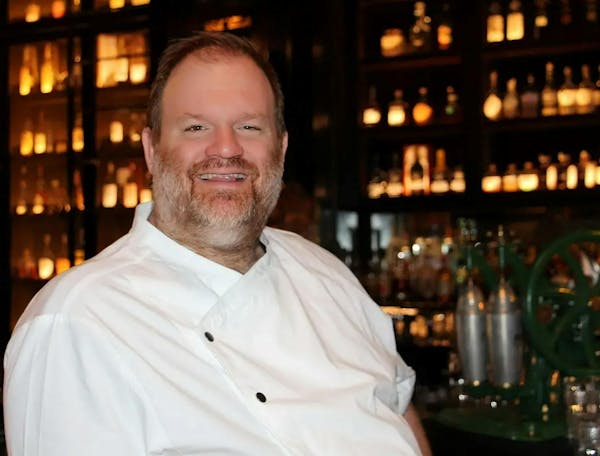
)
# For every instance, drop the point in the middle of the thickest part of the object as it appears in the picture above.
(222, 219)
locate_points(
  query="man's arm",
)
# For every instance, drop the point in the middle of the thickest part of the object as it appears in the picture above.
(413, 420)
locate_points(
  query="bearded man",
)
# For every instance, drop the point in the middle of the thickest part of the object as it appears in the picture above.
(201, 331)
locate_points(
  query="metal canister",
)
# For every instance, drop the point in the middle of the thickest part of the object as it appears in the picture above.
(505, 334)
(470, 333)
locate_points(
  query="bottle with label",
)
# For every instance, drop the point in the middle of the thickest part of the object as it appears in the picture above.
(515, 21)
(395, 187)
(495, 23)
(420, 32)
(422, 112)
(567, 93)
(371, 114)
(530, 99)
(397, 110)
(492, 106)
(510, 103)
(46, 259)
(584, 97)
(109, 187)
(549, 93)
(62, 262)
(444, 28)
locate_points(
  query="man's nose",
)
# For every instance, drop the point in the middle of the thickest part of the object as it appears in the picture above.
(225, 143)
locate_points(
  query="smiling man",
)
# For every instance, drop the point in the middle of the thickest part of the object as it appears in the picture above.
(202, 331)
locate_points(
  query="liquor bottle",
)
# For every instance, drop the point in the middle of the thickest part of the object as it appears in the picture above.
(420, 32)
(423, 159)
(58, 8)
(109, 187)
(39, 196)
(28, 72)
(78, 199)
(397, 110)
(458, 184)
(509, 179)
(417, 176)
(567, 93)
(444, 28)
(587, 170)
(492, 106)
(422, 112)
(26, 266)
(551, 176)
(549, 93)
(62, 262)
(452, 109)
(26, 139)
(371, 114)
(504, 328)
(591, 11)
(565, 12)
(495, 23)
(77, 140)
(47, 74)
(46, 259)
(471, 317)
(572, 176)
(39, 137)
(510, 103)
(439, 182)
(596, 96)
(540, 20)
(76, 75)
(544, 162)
(392, 42)
(22, 202)
(115, 131)
(564, 160)
(515, 21)
(130, 189)
(376, 187)
(32, 11)
(395, 187)
(116, 4)
(79, 250)
(491, 182)
(530, 99)
(584, 97)
(528, 179)
(146, 190)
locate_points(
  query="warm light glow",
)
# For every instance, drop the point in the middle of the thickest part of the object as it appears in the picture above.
(396, 116)
(528, 181)
(371, 116)
(572, 176)
(391, 42)
(137, 70)
(515, 26)
(47, 76)
(109, 195)
(492, 107)
(510, 183)
(116, 132)
(21, 208)
(457, 184)
(32, 12)
(551, 177)
(422, 113)
(25, 80)
(589, 175)
(495, 28)
(62, 264)
(491, 184)
(440, 186)
(77, 139)
(394, 189)
(121, 69)
(376, 189)
(116, 4)
(78, 257)
(39, 142)
(140, 2)
(58, 9)
(145, 195)
(45, 268)
(26, 143)
(130, 195)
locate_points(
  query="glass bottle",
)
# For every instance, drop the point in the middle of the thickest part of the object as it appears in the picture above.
(39, 196)
(544, 161)
(395, 188)
(422, 112)
(39, 137)
(591, 11)
(510, 103)
(439, 182)
(79, 250)
(417, 177)
(567, 93)
(596, 96)
(458, 184)
(146, 190)
(564, 160)
(371, 114)
(47, 74)
(495, 23)
(109, 187)
(28, 71)
(46, 259)
(376, 187)
(551, 176)
(392, 42)
(572, 175)
(444, 28)
(540, 20)
(78, 199)
(116, 131)
(587, 170)
(62, 262)
(26, 267)
(515, 21)
(397, 110)
(549, 93)
(528, 179)
(420, 32)
(509, 179)
(58, 8)
(130, 189)
(22, 202)
(26, 139)
(565, 12)
(491, 182)
(584, 97)
(423, 159)
(492, 106)
(32, 11)
(530, 99)
(77, 142)
(452, 110)
(116, 4)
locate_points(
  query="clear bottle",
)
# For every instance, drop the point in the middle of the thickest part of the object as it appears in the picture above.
(395, 187)
(26, 139)
(439, 182)
(492, 105)
(509, 179)
(77, 141)
(420, 32)
(458, 184)
(130, 189)
(28, 72)
(371, 114)
(47, 73)
(540, 20)
(515, 21)
(528, 180)
(445, 28)
(376, 187)
(397, 110)
(46, 259)
(510, 103)
(584, 97)
(422, 112)
(40, 140)
(39, 196)
(530, 99)
(109, 187)
(491, 182)
(417, 177)
(495, 23)
(549, 93)
(567, 93)
(62, 262)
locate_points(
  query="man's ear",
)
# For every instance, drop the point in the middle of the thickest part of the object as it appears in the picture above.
(148, 148)
(284, 144)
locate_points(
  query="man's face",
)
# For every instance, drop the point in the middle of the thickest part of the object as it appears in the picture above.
(219, 161)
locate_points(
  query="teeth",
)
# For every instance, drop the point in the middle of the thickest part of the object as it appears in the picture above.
(223, 177)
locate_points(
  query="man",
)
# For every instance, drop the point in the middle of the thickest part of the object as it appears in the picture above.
(201, 331)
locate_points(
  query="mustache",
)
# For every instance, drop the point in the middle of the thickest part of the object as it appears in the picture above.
(216, 163)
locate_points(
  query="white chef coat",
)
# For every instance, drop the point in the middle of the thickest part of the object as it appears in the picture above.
(151, 349)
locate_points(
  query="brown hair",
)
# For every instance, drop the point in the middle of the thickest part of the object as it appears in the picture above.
(211, 44)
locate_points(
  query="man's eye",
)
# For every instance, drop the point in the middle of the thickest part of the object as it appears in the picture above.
(251, 127)
(195, 128)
